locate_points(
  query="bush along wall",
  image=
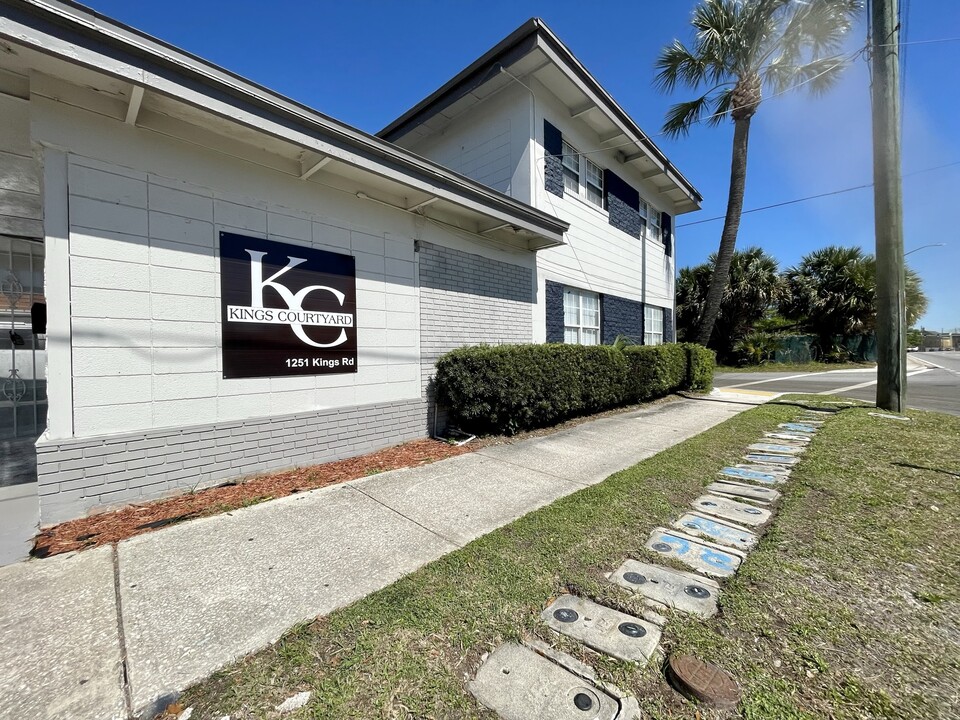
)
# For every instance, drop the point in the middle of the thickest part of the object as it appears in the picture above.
(510, 388)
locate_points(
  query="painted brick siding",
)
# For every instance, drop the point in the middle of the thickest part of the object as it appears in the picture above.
(79, 475)
(554, 310)
(466, 299)
(619, 316)
(623, 217)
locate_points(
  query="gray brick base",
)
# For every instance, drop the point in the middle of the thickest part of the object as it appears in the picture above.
(466, 299)
(76, 476)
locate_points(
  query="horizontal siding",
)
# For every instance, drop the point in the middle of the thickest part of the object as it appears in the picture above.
(21, 209)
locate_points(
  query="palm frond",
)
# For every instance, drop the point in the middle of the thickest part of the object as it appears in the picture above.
(676, 64)
(682, 116)
(817, 75)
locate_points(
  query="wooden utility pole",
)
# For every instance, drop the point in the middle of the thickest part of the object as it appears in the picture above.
(888, 209)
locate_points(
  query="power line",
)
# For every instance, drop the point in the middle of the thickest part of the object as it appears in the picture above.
(814, 197)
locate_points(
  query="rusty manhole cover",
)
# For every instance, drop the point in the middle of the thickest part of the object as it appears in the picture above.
(703, 681)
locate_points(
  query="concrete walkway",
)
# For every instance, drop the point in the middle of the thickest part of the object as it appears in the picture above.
(168, 608)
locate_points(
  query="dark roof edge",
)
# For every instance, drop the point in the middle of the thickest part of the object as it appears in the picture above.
(220, 82)
(509, 46)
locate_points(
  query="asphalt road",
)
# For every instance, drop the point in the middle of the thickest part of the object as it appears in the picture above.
(933, 382)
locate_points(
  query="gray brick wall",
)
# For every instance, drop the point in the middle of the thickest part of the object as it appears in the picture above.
(619, 316)
(553, 305)
(467, 299)
(76, 476)
(623, 217)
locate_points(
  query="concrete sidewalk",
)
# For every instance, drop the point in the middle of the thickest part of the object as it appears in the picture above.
(168, 608)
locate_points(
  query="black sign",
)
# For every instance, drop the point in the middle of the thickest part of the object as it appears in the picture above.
(286, 309)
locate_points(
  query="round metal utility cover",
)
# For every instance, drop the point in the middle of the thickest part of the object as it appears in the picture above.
(662, 547)
(634, 578)
(701, 593)
(703, 681)
(631, 630)
(582, 701)
(566, 615)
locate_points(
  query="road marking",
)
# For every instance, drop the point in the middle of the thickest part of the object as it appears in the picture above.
(734, 390)
(867, 384)
(789, 377)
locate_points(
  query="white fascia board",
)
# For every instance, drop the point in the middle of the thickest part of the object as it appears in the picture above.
(50, 45)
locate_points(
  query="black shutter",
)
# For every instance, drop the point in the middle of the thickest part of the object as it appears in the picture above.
(666, 230)
(622, 203)
(614, 185)
(552, 139)
(553, 162)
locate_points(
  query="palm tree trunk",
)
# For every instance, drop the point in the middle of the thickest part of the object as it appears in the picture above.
(731, 224)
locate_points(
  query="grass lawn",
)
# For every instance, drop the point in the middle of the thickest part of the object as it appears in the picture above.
(848, 608)
(797, 367)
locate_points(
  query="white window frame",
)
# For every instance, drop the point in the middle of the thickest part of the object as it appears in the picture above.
(583, 332)
(571, 167)
(578, 167)
(653, 325)
(654, 232)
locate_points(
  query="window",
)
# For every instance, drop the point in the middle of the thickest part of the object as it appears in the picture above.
(581, 176)
(652, 325)
(581, 317)
(643, 219)
(594, 182)
(571, 168)
(653, 223)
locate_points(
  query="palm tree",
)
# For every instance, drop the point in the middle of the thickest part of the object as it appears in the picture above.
(831, 293)
(755, 286)
(740, 47)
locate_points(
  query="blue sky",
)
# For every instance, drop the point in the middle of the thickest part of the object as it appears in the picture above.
(365, 62)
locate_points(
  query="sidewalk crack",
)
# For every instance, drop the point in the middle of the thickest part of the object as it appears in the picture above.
(124, 665)
(406, 517)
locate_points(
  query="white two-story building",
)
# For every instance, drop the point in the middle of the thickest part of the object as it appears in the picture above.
(529, 120)
(202, 279)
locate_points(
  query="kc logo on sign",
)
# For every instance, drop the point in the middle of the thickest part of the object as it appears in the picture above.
(287, 309)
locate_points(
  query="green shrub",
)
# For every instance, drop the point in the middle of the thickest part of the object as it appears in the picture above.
(656, 370)
(508, 388)
(701, 363)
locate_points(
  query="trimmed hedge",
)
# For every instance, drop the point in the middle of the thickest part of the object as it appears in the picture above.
(701, 363)
(656, 370)
(509, 388)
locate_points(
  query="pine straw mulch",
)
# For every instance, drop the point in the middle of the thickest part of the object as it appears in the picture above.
(111, 527)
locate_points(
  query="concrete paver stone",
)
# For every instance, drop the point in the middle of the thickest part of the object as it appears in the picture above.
(798, 438)
(742, 490)
(728, 509)
(683, 591)
(519, 684)
(776, 448)
(769, 459)
(702, 555)
(798, 427)
(753, 473)
(724, 533)
(603, 629)
(59, 639)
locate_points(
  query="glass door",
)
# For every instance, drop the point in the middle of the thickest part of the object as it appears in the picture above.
(23, 361)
